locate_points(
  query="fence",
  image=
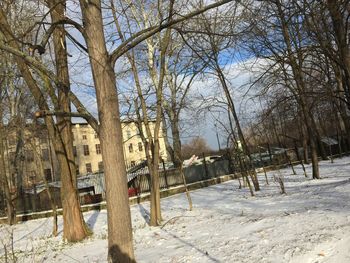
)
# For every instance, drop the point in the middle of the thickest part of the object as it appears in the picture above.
(36, 200)
(172, 177)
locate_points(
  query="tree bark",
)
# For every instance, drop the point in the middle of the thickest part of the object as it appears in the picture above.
(74, 227)
(120, 246)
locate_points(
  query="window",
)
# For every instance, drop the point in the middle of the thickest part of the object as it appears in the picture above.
(77, 169)
(88, 168)
(140, 146)
(47, 173)
(132, 163)
(128, 134)
(84, 137)
(96, 136)
(130, 148)
(75, 153)
(98, 148)
(29, 156)
(100, 166)
(86, 150)
(45, 154)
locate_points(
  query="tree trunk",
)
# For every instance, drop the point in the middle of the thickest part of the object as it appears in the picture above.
(320, 147)
(178, 159)
(245, 174)
(120, 246)
(176, 142)
(241, 137)
(19, 162)
(304, 139)
(313, 149)
(11, 211)
(69, 196)
(156, 214)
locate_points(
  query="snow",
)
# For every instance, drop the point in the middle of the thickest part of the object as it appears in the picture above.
(311, 223)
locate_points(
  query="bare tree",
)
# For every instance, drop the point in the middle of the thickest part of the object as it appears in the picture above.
(287, 54)
(197, 146)
(213, 35)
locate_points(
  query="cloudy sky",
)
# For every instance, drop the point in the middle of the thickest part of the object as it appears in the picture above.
(239, 77)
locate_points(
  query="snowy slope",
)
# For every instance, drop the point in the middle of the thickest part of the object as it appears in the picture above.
(311, 223)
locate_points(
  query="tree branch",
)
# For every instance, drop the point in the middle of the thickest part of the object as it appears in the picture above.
(43, 113)
(148, 32)
(41, 68)
(64, 21)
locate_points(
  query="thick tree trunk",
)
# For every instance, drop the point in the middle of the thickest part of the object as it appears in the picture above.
(314, 160)
(319, 145)
(120, 246)
(19, 161)
(74, 227)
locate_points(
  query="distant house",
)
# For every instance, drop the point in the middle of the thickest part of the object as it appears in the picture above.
(88, 150)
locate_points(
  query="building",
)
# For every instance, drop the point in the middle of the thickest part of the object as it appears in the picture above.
(29, 156)
(37, 158)
(87, 148)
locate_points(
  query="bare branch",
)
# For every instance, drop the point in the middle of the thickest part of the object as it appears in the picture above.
(148, 32)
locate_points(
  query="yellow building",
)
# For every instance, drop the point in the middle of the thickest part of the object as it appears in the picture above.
(87, 147)
(30, 158)
(37, 158)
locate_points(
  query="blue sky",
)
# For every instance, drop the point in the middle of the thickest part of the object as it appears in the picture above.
(82, 85)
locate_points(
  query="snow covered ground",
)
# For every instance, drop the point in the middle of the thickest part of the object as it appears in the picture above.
(311, 223)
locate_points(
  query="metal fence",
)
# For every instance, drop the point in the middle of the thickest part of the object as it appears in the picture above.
(35, 200)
